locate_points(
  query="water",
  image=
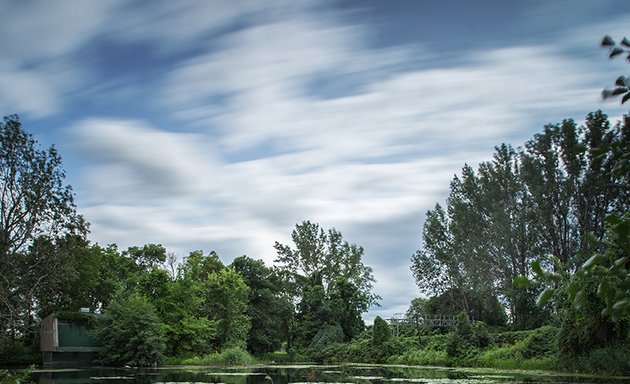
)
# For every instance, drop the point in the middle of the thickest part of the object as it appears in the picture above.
(311, 374)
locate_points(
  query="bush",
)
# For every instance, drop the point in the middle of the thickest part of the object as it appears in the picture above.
(421, 357)
(541, 342)
(228, 358)
(235, 356)
(467, 340)
(328, 334)
(18, 354)
(510, 337)
(380, 332)
(131, 333)
(610, 360)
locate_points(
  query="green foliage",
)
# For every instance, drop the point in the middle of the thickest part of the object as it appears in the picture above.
(422, 357)
(312, 313)
(16, 377)
(622, 84)
(611, 269)
(521, 206)
(16, 354)
(540, 343)
(325, 273)
(268, 309)
(227, 358)
(226, 302)
(130, 333)
(609, 360)
(35, 206)
(467, 340)
(380, 332)
(328, 334)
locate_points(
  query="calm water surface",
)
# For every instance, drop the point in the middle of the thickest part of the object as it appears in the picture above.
(329, 374)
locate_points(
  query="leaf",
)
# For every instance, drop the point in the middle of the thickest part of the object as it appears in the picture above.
(607, 41)
(606, 94)
(572, 289)
(545, 296)
(579, 300)
(619, 91)
(591, 261)
(625, 42)
(537, 268)
(621, 305)
(615, 52)
(620, 261)
(621, 81)
(625, 98)
(521, 281)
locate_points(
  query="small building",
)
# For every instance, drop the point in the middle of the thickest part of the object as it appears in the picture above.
(66, 339)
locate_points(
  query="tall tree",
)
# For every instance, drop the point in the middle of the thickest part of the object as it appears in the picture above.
(322, 271)
(226, 303)
(325, 254)
(517, 208)
(34, 203)
(269, 310)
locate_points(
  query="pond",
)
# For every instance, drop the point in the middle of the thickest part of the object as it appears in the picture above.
(310, 374)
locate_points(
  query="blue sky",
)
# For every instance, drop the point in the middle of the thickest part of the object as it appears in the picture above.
(219, 125)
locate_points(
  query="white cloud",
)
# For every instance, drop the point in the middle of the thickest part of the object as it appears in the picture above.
(333, 131)
(140, 159)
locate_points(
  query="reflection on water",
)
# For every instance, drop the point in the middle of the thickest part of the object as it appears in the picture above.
(307, 374)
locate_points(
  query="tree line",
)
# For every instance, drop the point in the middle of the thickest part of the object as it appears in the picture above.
(319, 286)
(537, 236)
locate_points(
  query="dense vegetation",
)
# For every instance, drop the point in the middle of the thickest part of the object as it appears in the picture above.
(485, 258)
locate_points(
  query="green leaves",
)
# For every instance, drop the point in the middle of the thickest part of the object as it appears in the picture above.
(607, 41)
(538, 269)
(622, 83)
(545, 296)
(615, 52)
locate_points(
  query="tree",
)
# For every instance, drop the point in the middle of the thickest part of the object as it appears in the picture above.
(380, 332)
(226, 302)
(130, 333)
(147, 256)
(609, 266)
(325, 276)
(268, 309)
(326, 254)
(313, 312)
(34, 203)
(346, 306)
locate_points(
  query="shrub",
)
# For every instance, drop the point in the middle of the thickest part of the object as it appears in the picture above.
(541, 342)
(610, 360)
(235, 356)
(18, 354)
(421, 357)
(381, 332)
(328, 334)
(467, 340)
(131, 333)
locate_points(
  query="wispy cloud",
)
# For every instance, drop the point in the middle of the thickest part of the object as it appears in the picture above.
(282, 113)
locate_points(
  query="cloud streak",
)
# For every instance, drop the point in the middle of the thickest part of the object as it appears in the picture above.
(261, 117)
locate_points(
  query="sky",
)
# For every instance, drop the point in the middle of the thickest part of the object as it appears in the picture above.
(220, 125)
